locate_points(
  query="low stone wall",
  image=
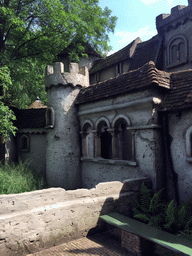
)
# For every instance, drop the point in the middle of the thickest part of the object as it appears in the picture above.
(32, 221)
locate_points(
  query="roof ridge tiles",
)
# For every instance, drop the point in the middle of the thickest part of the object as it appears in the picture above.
(133, 80)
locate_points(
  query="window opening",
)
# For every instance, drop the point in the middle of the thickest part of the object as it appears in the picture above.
(124, 140)
(106, 143)
(105, 138)
(24, 143)
(50, 118)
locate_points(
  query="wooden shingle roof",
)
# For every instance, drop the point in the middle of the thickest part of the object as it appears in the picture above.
(121, 55)
(148, 75)
(145, 52)
(180, 95)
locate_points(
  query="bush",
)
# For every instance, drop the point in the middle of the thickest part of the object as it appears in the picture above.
(155, 211)
(19, 178)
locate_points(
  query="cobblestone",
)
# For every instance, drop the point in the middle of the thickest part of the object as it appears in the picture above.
(97, 245)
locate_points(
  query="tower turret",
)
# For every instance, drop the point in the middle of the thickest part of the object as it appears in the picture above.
(63, 146)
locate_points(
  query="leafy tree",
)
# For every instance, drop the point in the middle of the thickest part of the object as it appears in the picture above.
(34, 32)
(6, 115)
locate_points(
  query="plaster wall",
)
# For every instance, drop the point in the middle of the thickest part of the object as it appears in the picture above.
(36, 220)
(36, 156)
(87, 62)
(143, 118)
(109, 72)
(63, 149)
(178, 125)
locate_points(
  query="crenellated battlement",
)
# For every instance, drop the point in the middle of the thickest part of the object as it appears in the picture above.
(55, 75)
(176, 12)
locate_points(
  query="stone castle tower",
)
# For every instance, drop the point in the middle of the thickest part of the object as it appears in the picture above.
(63, 144)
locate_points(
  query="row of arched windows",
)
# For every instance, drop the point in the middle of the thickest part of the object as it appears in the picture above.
(107, 142)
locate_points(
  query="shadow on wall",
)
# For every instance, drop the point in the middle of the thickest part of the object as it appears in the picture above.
(122, 204)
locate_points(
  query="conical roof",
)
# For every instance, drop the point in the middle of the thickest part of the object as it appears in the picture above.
(37, 104)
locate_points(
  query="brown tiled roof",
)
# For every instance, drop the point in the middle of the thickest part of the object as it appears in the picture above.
(145, 52)
(180, 95)
(121, 55)
(148, 75)
(37, 104)
(30, 118)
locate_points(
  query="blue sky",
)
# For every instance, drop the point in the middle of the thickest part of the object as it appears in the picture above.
(136, 18)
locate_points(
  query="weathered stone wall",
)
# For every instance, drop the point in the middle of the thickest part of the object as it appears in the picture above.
(179, 123)
(36, 156)
(63, 145)
(140, 109)
(35, 220)
(63, 148)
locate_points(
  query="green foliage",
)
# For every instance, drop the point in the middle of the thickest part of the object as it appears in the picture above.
(142, 217)
(6, 114)
(145, 198)
(170, 217)
(149, 209)
(155, 211)
(33, 33)
(19, 178)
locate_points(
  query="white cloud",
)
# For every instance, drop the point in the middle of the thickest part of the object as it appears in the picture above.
(122, 38)
(148, 2)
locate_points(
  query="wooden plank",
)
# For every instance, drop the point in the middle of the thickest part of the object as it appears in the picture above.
(153, 234)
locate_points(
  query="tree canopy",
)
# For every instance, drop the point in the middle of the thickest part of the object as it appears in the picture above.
(34, 32)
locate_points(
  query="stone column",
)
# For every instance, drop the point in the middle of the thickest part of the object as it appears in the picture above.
(83, 144)
(115, 144)
(133, 144)
(97, 144)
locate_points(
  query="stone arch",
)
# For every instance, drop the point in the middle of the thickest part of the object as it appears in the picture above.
(122, 138)
(87, 139)
(104, 138)
(188, 141)
(85, 123)
(103, 119)
(123, 117)
(177, 50)
(24, 143)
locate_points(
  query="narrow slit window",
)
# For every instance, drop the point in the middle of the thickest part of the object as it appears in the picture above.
(24, 143)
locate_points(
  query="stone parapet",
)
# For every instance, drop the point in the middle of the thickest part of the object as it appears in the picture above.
(36, 220)
(177, 12)
(55, 75)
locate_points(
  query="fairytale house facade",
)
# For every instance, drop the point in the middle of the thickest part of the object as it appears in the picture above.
(126, 116)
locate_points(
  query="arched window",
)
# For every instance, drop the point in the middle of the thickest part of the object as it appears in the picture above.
(105, 140)
(177, 51)
(87, 140)
(24, 143)
(188, 139)
(50, 118)
(124, 139)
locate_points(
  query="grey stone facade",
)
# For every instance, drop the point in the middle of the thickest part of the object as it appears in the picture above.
(109, 123)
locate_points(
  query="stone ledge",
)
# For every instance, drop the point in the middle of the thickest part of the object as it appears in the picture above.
(109, 161)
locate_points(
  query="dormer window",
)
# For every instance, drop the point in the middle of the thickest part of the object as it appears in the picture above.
(177, 51)
(119, 68)
(97, 77)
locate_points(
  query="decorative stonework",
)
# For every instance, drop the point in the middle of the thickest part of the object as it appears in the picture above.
(177, 51)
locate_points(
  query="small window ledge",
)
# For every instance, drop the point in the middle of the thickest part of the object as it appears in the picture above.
(109, 161)
(49, 127)
(189, 159)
